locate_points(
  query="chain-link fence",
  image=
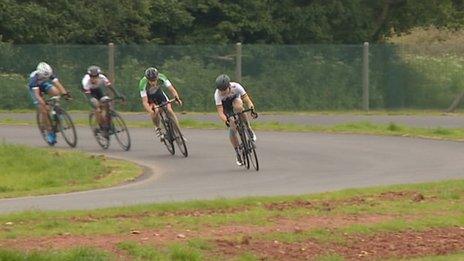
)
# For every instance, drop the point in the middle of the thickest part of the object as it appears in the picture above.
(278, 77)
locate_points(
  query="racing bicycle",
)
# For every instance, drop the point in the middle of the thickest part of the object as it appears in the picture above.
(116, 126)
(247, 145)
(60, 122)
(170, 131)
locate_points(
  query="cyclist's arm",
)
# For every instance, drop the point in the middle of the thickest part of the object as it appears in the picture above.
(146, 105)
(39, 97)
(173, 92)
(246, 99)
(60, 87)
(221, 114)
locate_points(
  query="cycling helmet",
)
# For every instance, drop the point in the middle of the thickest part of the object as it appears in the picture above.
(44, 70)
(151, 73)
(222, 82)
(93, 71)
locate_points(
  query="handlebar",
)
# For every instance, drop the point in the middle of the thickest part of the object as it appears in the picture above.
(164, 103)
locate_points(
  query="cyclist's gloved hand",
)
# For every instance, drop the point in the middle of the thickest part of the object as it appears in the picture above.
(179, 101)
(67, 96)
(253, 114)
(122, 97)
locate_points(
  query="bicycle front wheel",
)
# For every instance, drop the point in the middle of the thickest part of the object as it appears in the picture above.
(66, 127)
(119, 129)
(244, 147)
(97, 132)
(42, 127)
(168, 140)
(179, 138)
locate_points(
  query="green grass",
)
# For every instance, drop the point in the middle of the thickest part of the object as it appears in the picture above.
(362, 127)
(442, 208)
(34, 171)
(83, 253)
(249, 211)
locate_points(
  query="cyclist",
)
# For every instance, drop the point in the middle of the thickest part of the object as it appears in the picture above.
(43, 80)
(93, 85)
(150, 87)
(228, 98)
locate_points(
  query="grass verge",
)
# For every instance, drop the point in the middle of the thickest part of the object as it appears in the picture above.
(197, 230)
(363, 127)
(27, 171)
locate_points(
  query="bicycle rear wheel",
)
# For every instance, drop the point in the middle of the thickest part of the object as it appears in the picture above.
(66, 127)
(168, 140)
(97, 132)
(179, 138)
(42, 128)
(119, 129)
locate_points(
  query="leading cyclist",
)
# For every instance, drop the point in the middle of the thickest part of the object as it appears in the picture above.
(229, 97)
(42, 80)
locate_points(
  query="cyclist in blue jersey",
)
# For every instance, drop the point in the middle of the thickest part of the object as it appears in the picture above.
(43, 80)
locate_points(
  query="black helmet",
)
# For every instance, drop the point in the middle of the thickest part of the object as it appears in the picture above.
(222, 82)
(93, 71)
(151, 73)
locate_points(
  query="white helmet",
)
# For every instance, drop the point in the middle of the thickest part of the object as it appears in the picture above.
(44, 69)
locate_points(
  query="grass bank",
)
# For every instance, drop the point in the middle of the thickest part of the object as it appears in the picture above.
(27, 171)
(328, 226)
(362, 127)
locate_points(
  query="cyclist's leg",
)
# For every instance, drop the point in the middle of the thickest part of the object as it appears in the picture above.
(157, 98)
(96, 95)
(233, 137)
(52, 91)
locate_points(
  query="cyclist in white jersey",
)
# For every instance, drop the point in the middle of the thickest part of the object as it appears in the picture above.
(229, 98)
(94, 84)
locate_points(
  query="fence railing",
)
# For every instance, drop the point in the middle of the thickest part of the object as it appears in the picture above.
(278, 77)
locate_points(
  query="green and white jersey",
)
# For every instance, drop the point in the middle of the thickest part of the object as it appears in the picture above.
(146, 89)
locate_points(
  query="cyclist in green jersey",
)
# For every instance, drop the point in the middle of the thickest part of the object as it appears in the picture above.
(150, 87)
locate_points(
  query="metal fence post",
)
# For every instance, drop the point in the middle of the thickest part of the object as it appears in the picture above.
(111, 73)
(238, 62)
(365, 76)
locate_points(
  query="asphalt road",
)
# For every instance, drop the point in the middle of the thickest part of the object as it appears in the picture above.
(291, 163)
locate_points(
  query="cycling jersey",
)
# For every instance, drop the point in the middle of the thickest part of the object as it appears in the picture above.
(147, 90)
(37, 82)
(87, 85)
(236, 91)
(44, 84)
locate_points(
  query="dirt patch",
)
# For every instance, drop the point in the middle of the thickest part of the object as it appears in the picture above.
(169, 235)
(356, 247)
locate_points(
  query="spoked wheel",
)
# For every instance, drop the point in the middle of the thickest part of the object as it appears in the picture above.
(252, 150)
(97, 133)
(244, 148)
(253, 155)
(168, 141)
(66, 127)
(180, 141)
(119, 129)
(42, 127)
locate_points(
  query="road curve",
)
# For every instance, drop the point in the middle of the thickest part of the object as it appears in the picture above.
(291, 163)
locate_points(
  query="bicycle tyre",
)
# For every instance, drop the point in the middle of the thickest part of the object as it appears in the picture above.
(64, 124)
(97, 133)
(168, 141)
(42, 129)
(244, 146)
(120, 130)
(252, 150)
(179, 138)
